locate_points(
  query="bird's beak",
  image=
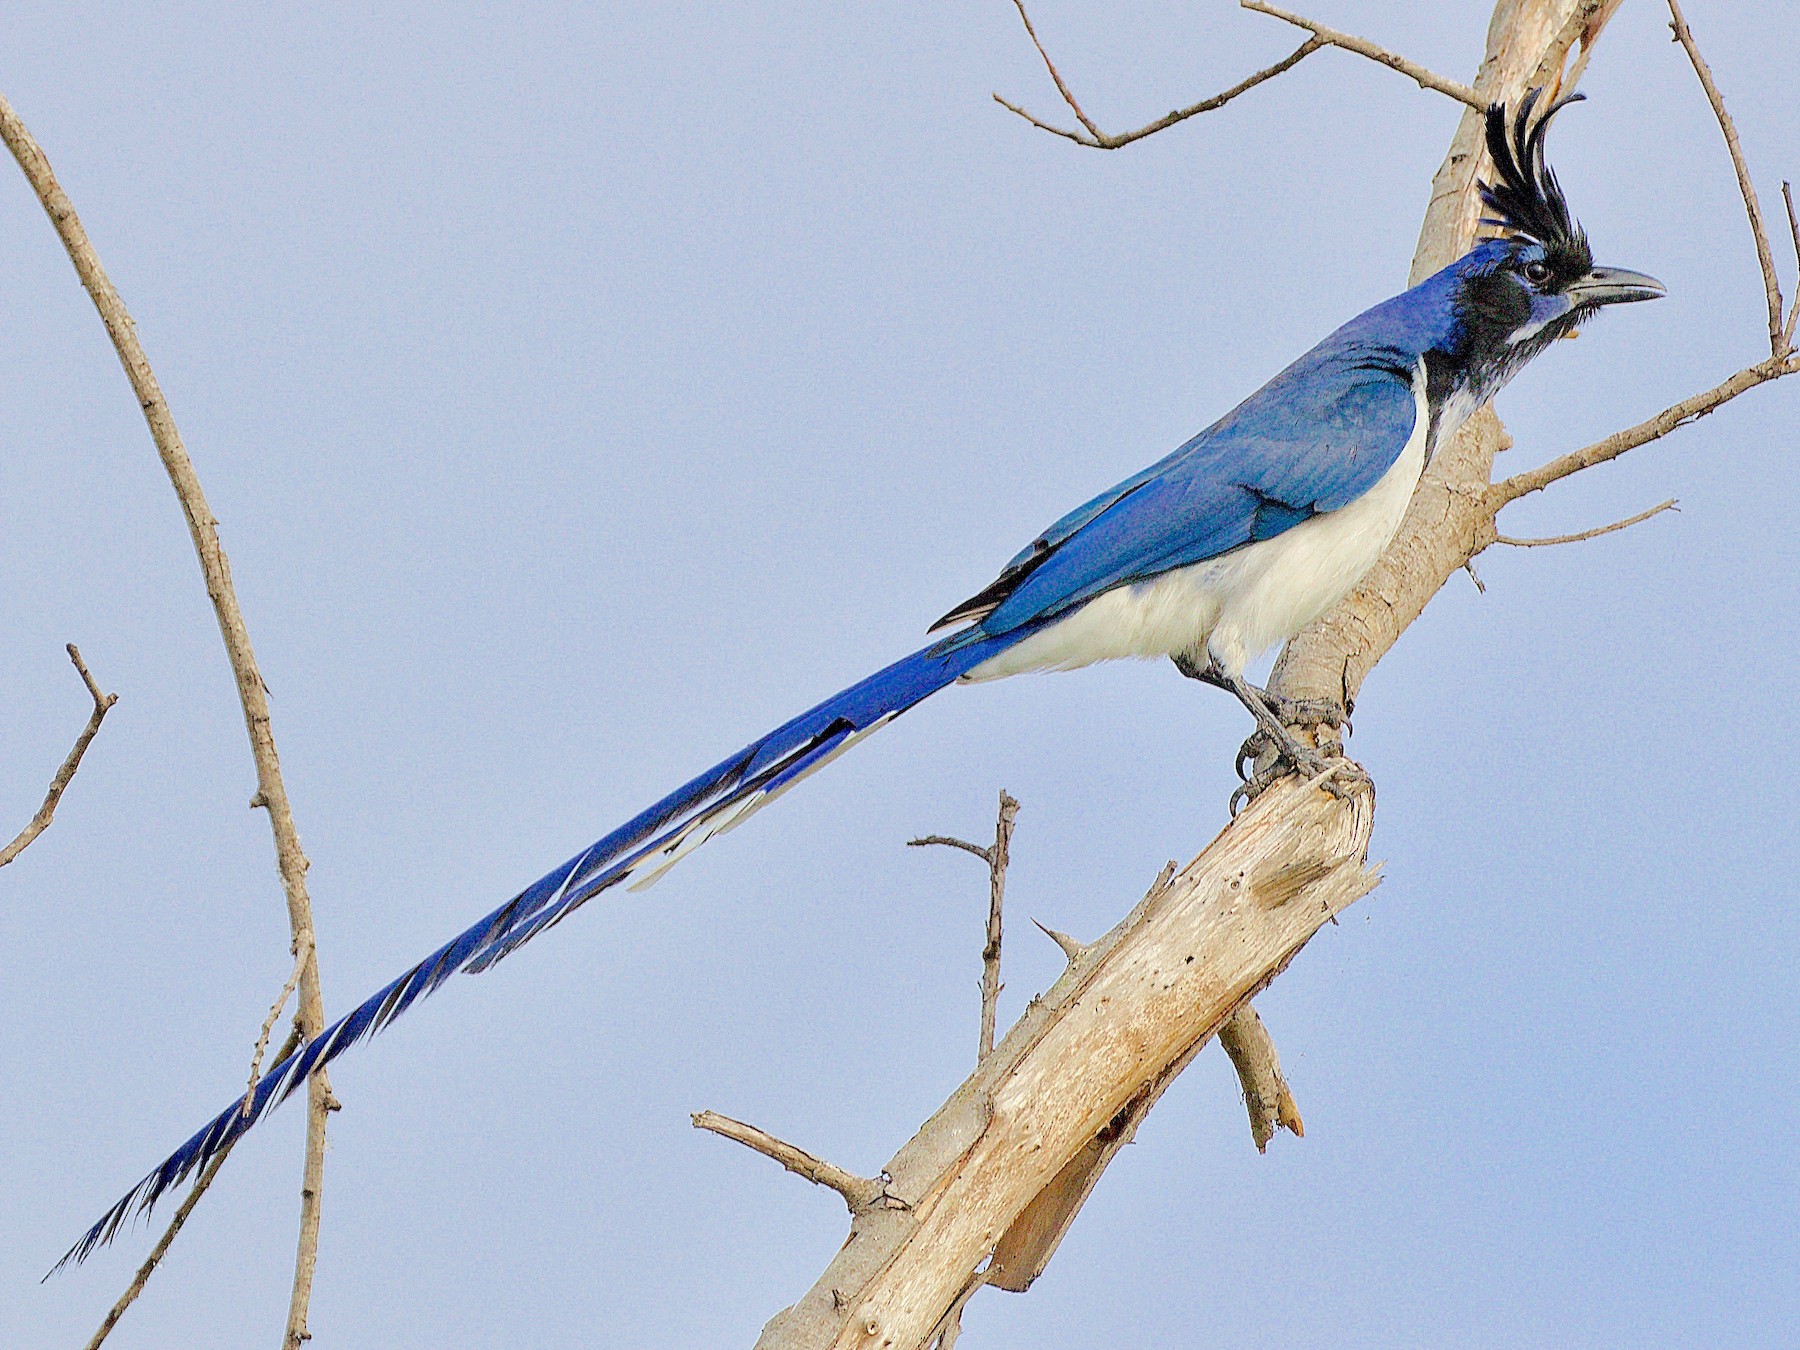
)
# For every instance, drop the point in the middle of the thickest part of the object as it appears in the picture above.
(1613, 286)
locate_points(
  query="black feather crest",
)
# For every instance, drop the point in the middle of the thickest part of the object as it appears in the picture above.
(1527, 199)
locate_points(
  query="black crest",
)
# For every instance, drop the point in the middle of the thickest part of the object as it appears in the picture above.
(1527, 200)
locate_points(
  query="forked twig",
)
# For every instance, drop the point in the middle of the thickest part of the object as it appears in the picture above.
(66, 773)
(1096, 139)
(1594, 533)
(996, 857)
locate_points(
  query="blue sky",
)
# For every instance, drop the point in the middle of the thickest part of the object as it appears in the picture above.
(582, 390)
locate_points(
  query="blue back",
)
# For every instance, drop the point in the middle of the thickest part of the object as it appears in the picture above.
(1313, 439)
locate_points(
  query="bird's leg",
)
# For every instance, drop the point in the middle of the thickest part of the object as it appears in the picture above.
(1293, 712)
(1274, 716)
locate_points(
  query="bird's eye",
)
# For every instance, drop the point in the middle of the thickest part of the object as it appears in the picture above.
(1537, 272)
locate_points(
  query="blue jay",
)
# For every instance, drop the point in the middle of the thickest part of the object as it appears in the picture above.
(1234, 542)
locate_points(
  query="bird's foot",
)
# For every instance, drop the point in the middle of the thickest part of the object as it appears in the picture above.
(1273, 758)
(1307, 712)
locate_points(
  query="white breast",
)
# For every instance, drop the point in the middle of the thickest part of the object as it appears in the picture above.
(1233, 608)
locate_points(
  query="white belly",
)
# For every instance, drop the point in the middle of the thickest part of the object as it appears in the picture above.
(1234, 607)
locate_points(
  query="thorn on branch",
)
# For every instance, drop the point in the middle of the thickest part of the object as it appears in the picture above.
(1474, 576)
(1072, 949)
(861, 1194)
(1420, 75)
(65, 774)
(1096, 139)
(1595, 533)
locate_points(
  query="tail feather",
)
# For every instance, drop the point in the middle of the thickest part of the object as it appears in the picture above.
(639, 851)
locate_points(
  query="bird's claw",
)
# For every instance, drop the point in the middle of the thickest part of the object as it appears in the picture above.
(1329, 768)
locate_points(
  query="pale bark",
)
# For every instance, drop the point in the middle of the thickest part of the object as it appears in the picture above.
(1004, 1164)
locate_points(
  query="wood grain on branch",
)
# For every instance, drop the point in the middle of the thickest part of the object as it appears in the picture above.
(215, 567)
(65, 773)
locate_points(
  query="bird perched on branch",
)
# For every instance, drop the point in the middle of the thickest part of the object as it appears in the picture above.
(1234, 542)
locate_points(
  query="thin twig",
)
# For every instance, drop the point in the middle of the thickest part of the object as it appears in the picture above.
(1050, 66)
(1594, 533)
(1771, 285)
(301, 957)
(979, 850)
(860, 1193)
(1096, 139)
(1787, 195)
(271, 791)
(161, 1248)
(1654, 428)
(990, 951)
(66, 774)
(1425, 79)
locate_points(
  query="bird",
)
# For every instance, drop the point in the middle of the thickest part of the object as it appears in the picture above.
(1237, 540)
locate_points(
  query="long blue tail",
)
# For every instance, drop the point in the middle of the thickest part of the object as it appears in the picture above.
(640, 851)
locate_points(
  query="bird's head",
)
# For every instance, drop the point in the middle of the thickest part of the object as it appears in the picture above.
(1537, 281)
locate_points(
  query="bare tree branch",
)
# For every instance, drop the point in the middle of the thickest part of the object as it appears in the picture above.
(1771, 284)
(1594, 533)
(1787, 195)
(301, 957)
(66, 773)
(1425, 79)
(979, 850)
(1096, 139)
(271, 791)
(1630, 438)
(990, 951)
(1004, 1165)
(161, 1249)
(860, 1193)
(995, 856)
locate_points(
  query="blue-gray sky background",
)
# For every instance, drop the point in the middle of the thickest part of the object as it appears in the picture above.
(584, 389)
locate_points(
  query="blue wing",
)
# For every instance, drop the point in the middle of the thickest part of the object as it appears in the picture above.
(1313, 439)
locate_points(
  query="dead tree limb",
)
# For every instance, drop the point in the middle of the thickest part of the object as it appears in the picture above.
(271, 791)
(65, 774)
(1001, 1169)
